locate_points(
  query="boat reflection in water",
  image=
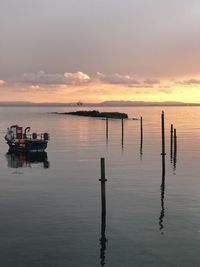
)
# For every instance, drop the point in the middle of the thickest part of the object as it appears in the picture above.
(20, 160)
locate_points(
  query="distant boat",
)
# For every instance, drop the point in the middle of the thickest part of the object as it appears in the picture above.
(79, 103)
(19, 141)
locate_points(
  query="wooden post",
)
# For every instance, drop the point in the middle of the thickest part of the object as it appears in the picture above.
(122, 132)
(103, 239)
(171, 141)
(107, 129)
(103, 187)
(163, 133)
(141, 137)
(162, 213)
(141, 129)
(175, 148)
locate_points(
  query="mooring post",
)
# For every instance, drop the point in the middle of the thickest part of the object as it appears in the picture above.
(122, 128)
(141, 128)
(103, 187)
(171, 141)
(141, 137)
(106, 129)
(175, 150)
(103, 238)
(163, 133)
(122, 120)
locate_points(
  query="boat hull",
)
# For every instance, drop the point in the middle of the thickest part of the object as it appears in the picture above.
(29, 146)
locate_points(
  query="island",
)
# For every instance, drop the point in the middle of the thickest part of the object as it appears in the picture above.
(96, 114)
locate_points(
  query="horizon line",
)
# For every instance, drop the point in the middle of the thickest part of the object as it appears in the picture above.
(104, 103)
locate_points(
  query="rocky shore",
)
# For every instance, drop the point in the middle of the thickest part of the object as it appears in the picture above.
(96, 114)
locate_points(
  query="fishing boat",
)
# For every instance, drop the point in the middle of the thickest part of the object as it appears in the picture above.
(24, 141)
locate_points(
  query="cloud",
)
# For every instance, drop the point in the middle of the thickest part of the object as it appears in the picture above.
(35, 87)
(190, 82)
(151, 81)
(81, 78)
(116, 78)
(127, 80)
(2, 82)
(76, 77)
(46, 78)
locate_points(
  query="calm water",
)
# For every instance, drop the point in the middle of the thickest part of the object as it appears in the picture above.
(50, 209)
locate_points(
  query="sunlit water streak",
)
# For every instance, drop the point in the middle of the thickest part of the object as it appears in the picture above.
(51, 216)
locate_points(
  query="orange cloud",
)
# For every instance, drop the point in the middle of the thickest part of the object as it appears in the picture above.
(2, 82)
(77, 77)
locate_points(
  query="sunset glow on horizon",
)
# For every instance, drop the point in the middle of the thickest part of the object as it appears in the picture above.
(100, 51)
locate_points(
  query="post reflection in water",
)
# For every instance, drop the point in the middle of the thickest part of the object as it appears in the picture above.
(106, 130)
(122, 145)
(20, 160)
(141, 153)
(141, 148)
(171, 153)
(103, 240)
(174, 161)
(162, 190)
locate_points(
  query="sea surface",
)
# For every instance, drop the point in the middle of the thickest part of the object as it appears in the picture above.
(50, 207)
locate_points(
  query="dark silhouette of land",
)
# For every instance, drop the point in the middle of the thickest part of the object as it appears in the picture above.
(96, 114)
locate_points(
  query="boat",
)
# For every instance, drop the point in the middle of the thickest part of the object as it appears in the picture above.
(24, 141)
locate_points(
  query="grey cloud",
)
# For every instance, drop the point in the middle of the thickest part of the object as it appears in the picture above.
(45, 78)
(127, 80)
(117, 79)
(190, 82)
(151, 81)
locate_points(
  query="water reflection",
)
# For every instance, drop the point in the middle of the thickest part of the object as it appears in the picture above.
(106, 130)
(174, 161)
(20, 160)
(162, 196)
(141, 147)
(171, 152)
(103, 240)
(122, 144)
(141, 153)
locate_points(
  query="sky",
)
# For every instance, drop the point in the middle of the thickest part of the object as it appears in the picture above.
(99, 50)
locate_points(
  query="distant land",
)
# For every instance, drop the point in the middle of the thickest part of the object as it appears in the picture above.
(101, 104)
